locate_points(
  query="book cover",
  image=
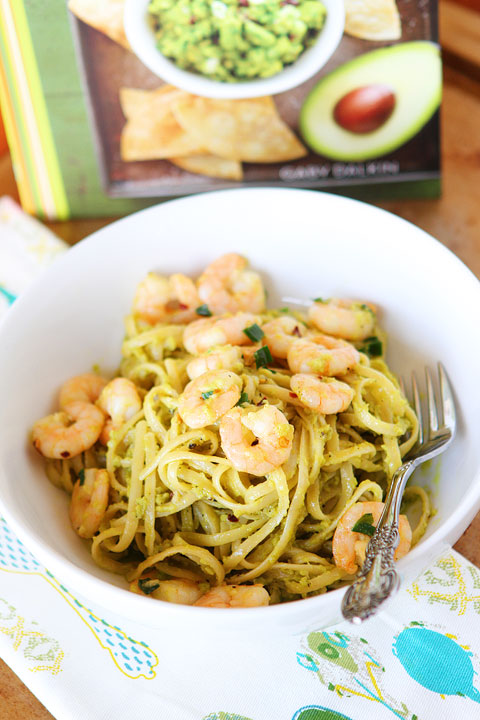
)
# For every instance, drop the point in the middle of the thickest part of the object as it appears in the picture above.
(112, 105)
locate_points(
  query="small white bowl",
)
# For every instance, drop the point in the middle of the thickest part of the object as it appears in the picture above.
(142, 41)
(305, 244)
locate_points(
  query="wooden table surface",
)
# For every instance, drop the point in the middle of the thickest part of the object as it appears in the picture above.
(454, 219)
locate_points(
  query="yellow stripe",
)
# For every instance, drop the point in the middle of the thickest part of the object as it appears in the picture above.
(22, 175)
(32, 102)
(16, 64)
(38, 102)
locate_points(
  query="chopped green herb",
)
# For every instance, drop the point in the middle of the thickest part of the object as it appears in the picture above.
(263, 357)
(81, 476)
(243, 399)
(365, 525)
(254, 332)
(372, 347)
(367, 308)
(284, 310)
(321, 300)
(207, 394)
(203, 310)
(148, 585)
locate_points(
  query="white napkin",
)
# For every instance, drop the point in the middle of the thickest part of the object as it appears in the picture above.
(26, 247)
(418, 660)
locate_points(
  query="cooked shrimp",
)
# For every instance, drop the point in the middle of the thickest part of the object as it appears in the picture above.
(231, 596)
(248, 353)
(120, 400)
(281, 333)
(325, 396)
(89, 501)
(343, 318)
(208, 397)
(225, 357)
(70, 432)
(182, 592)
(84, 388)
(170, 300)
(256, 442)
(201, 335)
(226, 286)
(349, 547)
(322, 355)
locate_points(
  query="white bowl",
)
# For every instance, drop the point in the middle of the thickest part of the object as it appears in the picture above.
(142, 41)
(306, 244)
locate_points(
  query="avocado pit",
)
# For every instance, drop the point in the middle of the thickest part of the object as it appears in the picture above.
(365, 109)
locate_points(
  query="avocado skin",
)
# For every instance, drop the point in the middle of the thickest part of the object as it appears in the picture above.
(412, 69)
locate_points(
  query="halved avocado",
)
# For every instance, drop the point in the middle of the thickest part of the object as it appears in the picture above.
(414, 73)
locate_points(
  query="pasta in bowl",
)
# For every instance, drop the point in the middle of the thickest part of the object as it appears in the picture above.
(303, 245)
(240, 455)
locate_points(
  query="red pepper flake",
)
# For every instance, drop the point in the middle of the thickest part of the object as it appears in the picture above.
(296, 331)
(181, 306)
(193, 20)
(293, 395)
(232, 518)
(65, 454)
(255, 442)
(243, 3)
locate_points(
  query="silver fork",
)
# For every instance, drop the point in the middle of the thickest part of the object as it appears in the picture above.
(378, 579)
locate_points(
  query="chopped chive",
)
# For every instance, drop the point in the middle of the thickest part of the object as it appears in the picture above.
(147, 585)
(263, 357)
(243, 399)
(365, 525)
(81, 476)
(284, 310)
(254, 332)
(372, 347)
(321, 300)
(203, 310)
(207, 394)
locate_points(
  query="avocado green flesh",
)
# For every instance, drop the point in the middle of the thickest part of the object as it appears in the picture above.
(413, 71)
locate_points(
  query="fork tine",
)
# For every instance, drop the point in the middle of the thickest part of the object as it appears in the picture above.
(417, 406)
(448, 402)
(431, 405)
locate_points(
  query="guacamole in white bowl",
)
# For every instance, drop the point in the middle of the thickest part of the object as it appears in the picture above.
(234, 49)
(235, 40)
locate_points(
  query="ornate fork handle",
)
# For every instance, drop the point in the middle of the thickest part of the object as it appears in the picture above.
(378, 579)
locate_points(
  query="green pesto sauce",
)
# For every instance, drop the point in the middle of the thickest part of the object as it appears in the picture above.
(234, 40)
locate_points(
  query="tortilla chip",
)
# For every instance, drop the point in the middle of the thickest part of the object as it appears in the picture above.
(210, 165)
(135, 101)
(152, 131)
(250, 130)
(103, 15)
(373, 19)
